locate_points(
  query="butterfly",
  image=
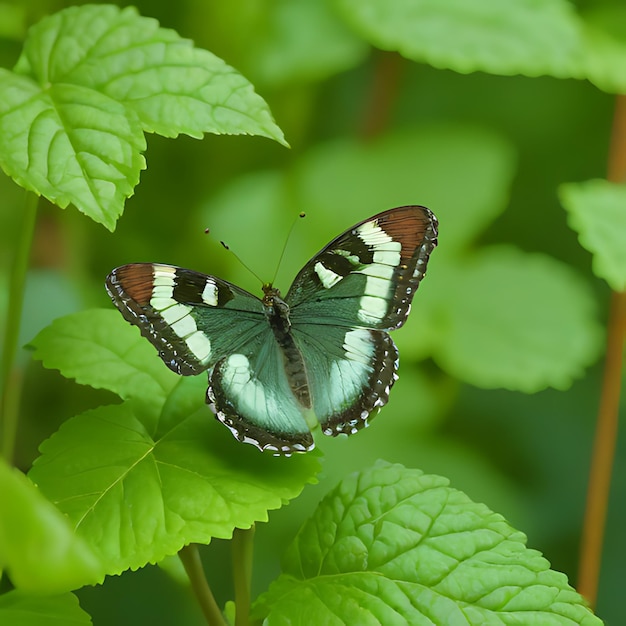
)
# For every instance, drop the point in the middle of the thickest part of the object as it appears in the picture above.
(277, 366)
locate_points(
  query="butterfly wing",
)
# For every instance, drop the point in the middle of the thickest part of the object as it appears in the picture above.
(249, 392)
(350, 373)
(367, 276)
(186, 315)
(345, 299)
(199, 322)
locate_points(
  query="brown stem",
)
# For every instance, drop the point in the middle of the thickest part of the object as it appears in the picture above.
(608, 411)
(383, 94)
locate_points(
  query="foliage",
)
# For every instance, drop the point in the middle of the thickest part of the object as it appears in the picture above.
(512, 305)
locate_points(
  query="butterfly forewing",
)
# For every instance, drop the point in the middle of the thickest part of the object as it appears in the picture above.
(368, 275)
(188, 316)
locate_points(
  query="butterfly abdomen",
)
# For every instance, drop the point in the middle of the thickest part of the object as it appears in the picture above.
(277, 314)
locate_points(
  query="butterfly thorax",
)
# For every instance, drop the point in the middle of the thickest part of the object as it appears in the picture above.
(277, 315)
(274, 305)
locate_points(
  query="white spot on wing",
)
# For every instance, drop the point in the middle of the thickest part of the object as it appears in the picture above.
(209, 293)
(184, 327)
(349, 374)
(378, 270)
(174, 313)
(388, 256)
(327, 277)
(200, 345)
(372, 309)
(372, 234)
(378, 287)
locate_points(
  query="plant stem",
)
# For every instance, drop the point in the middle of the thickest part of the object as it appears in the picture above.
(383, 95)
(190, 558)
(242, 546)
(11, 375)
(608, 412)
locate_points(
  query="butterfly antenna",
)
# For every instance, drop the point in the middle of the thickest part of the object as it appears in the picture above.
(207, 231)
(282, 253)
(227, 247)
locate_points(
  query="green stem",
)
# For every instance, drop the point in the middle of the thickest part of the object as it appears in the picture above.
(190, 558)
(243, 542)
(11, 375)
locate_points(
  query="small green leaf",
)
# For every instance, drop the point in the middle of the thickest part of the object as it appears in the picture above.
(37, 545)
(89, 81)
(99, 348)
(139, 484)
(516, 37)
(604, 34)
(597, 212)
(514, 320)
(19, 608)
(395, 546)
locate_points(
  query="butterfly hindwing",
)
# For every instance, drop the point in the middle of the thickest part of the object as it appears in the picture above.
(249, 392)
(350, 372)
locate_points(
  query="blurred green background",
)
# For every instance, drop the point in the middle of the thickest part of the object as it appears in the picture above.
(368, 130)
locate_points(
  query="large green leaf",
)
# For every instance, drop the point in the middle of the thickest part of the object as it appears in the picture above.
(89, 81)
(139, 484)
(531, 37)
(98, 348)
(37, 545)
(18, 608)
(597, 212)
(395, 546)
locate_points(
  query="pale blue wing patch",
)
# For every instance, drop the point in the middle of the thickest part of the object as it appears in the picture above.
(350, 371)
(250, 394)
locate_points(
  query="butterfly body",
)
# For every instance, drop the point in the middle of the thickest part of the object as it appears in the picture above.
(278, 366)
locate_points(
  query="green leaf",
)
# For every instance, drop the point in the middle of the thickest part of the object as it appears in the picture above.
(70, 144)
(171, 86)
(415, 166)
(99, 348)
(302, 41)
(391, 545)
(531, 37)
(596, 211)
(511, 319)
(139, 484)
(89, 81)
(37, 545)
(19, 608)
(605, 39)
